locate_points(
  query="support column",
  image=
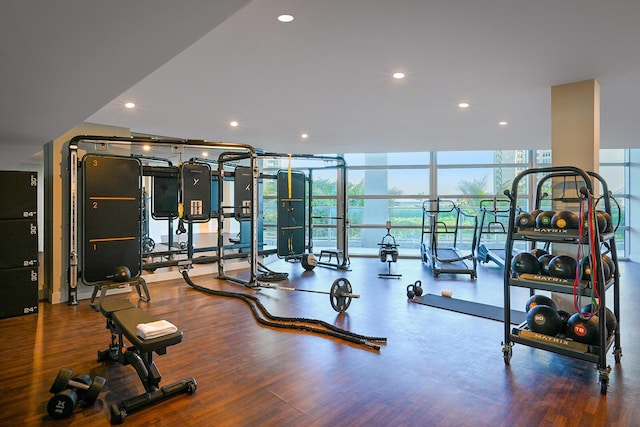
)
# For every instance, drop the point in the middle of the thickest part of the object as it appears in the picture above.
(575, 125)
(575, 141)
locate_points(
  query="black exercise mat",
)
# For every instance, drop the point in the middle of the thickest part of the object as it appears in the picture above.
(468, 307)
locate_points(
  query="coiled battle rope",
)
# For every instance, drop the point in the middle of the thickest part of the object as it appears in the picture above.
(267, 275)
(294, 323)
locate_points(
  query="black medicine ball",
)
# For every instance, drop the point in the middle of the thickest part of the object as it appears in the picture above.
(565, 220)
(610, 319)
(544, 320)
(544, 260)
(525, 262)
(543, 220)
(608, 221)
(525, 220)
(563, 267)
(600, 221)
(534, 213)
(535, 300)
(538, 252)
(564, 316)
(121, 274)
(612, 265)
(583, 330)
(585, 268)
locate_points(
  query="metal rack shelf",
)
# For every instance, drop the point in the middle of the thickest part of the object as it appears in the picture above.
(597, 285)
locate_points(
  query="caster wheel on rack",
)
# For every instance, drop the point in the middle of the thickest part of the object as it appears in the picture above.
(506, 354)
(617, 355)
(603, 387)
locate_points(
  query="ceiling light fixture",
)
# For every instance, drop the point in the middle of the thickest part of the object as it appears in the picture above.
(233, 123)
(503, 123)
(304, 136)
(285, 18)
(130, 105)
(205, 154)
(398, 75)
(463, 105)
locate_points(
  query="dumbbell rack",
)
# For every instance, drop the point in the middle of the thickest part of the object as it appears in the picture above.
(583, 183)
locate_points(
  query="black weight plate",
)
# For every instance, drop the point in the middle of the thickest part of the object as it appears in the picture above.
(62, 404)
(339, 295)
(62, 380)
(94, 390)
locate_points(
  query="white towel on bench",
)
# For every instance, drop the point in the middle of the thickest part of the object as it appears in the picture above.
(156, 329)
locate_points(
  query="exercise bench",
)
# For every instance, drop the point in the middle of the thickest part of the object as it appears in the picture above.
(123, 320)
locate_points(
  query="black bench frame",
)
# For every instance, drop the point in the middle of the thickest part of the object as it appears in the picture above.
(122, 318)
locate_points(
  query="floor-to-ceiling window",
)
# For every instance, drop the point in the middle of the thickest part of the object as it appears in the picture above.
(390, 188)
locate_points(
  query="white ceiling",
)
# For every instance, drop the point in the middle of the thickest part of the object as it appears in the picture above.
(191, 70)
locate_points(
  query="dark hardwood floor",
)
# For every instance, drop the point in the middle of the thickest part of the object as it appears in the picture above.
(438, 368)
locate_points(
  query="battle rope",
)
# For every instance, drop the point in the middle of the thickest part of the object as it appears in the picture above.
(267, 275)
(277, 322)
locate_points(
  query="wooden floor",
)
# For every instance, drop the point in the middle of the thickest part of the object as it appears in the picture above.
(439, 368)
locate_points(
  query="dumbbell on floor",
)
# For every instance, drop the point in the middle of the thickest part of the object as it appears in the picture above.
(69, 391)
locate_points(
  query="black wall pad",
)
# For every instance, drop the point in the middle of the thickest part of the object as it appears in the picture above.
(491, 312)
(164, 198)
(242, 193)
(291, 213)
(111, 216)
(196, 192)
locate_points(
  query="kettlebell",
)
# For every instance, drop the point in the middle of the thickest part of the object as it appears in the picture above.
(417, 288)
(411, 293)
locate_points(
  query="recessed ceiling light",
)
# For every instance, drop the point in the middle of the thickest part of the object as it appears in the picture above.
(205, 154)
(304, 136)
(463, 105)
(285, 18)
(233, 123)
(503, 123)
(146, 147)
(130, 105)
(398, 75)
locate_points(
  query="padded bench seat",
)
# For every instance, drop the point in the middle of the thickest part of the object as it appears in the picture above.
(128, 316)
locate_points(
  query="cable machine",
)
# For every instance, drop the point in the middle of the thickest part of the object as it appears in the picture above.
(295, 226)
(106, 214)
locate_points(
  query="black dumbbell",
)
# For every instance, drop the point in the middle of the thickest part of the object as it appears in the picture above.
(69, 390)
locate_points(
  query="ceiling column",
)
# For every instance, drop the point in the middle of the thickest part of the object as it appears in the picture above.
(575, 125)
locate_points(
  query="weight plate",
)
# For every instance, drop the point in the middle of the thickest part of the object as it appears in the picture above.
(61, 381)
(94, 390)
(340, 295)
(62, 404)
